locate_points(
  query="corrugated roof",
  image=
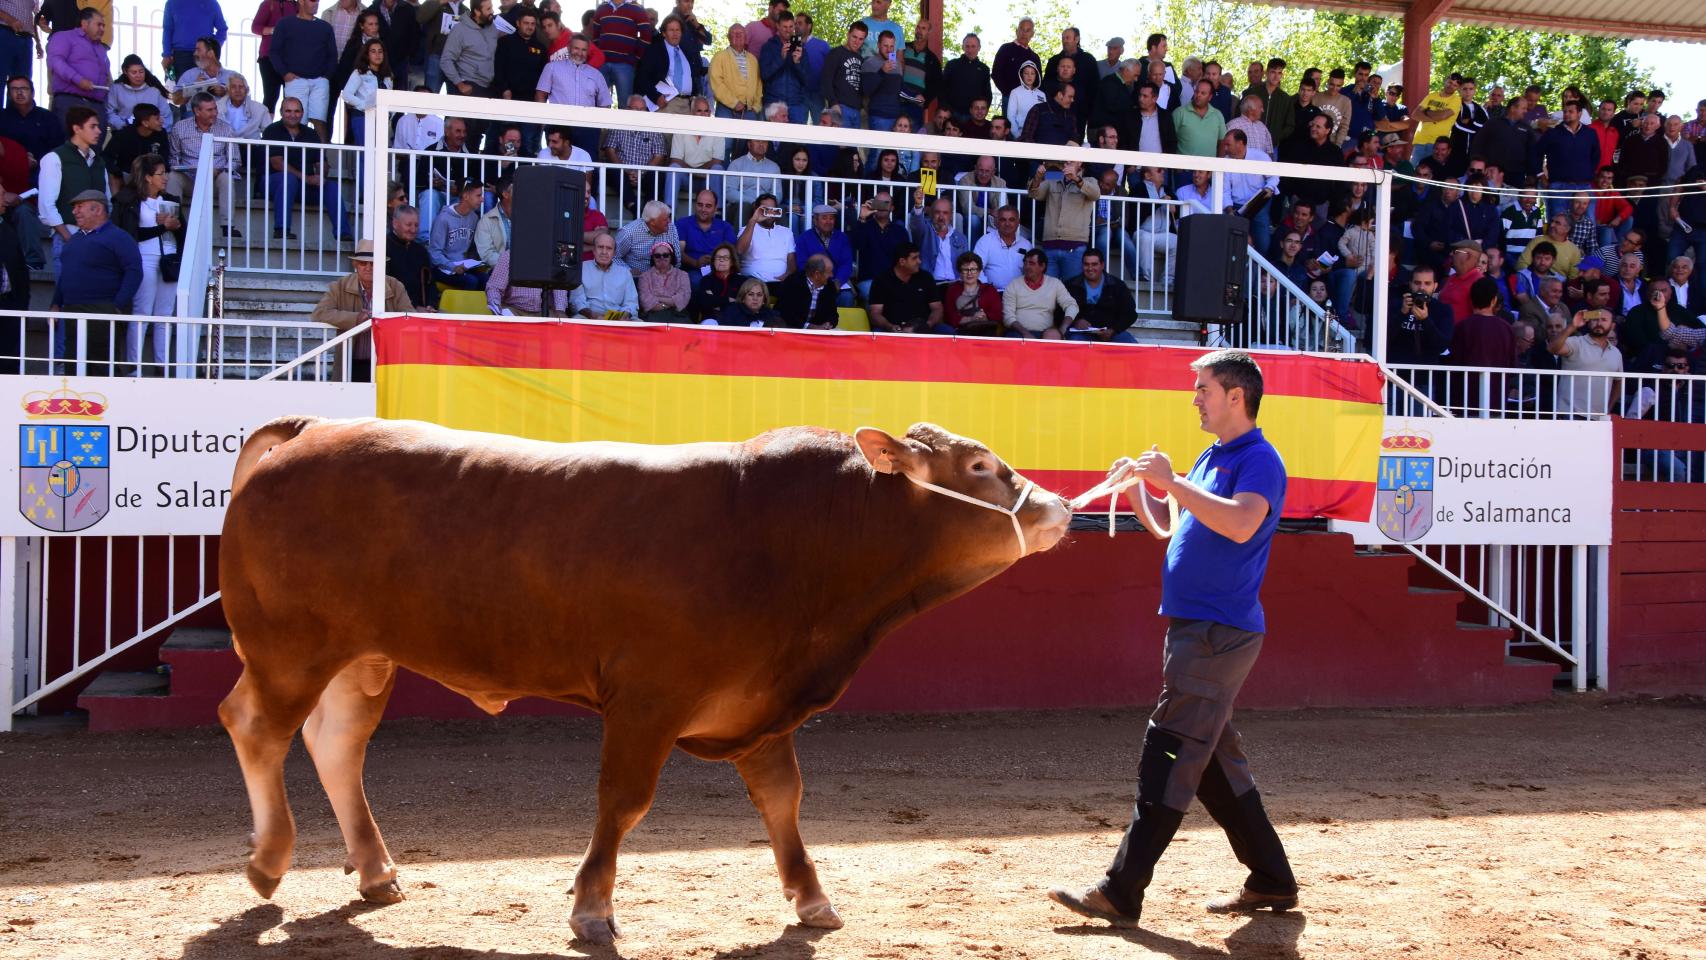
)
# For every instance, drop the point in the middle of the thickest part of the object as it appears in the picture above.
(1630, 19)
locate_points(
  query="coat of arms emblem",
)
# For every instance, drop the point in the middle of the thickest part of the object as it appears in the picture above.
(64, 468)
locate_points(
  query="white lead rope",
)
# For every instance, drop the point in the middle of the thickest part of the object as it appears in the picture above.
(1112, 491)
(1011, 512)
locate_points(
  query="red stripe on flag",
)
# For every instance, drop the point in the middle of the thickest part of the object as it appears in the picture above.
(769, 353)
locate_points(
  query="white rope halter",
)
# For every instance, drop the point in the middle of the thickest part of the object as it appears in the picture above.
(1113, 490)
(1011, 512)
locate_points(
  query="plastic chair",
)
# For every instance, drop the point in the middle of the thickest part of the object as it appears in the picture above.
(852, 318)
(463, 301)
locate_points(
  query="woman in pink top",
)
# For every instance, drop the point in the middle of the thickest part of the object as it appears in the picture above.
(267, 17)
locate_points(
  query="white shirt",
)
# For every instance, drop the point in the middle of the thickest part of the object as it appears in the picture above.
(696, 151)
(578, 159)
(767, 255)
(1240, 187)
(1001, 262)
(149, 216)
(1587, 396)
(416, 132)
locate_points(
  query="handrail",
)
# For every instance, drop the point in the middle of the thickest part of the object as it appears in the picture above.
(345, 337)
(198, 239)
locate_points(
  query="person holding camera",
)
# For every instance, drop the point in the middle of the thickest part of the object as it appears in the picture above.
(1583, 346)
(1419, 327)
(766, 248)
(781, 62)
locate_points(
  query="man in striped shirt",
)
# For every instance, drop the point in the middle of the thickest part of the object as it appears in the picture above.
(624, 32)
(1523, 221)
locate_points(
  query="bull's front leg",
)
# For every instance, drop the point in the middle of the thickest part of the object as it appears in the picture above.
(630, 759)
(772, 775)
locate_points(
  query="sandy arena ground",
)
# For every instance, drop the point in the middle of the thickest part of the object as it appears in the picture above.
(1574, 830)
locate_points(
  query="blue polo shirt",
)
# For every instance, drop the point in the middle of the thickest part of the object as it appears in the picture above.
(698, 242)
(1207, 576)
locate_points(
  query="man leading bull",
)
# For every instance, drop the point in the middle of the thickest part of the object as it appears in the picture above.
(1230, 506)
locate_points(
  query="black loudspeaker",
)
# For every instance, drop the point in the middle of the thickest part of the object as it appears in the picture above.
(545, 225)
(1214, 260)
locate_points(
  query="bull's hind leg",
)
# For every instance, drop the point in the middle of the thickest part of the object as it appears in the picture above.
(772, 775)
(262, 713)
(629, 761)
(336, 734)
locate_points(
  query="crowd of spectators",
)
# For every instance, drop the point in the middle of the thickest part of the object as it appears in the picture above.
(1598, 271)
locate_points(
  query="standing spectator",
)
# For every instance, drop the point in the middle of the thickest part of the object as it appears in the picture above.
(1642, 152)
(760, 32)
(1085, 75)
(69, 170)
(293, 173)
(1022, 100)
(305, 55)
(1337, 106)
(1054, 121)
(144, 136)
(1069, 214)
(1317, 150)
(1198, 127)
(623, 31)
(452, 240)
(1465, 270)
(737, 82)
(781, 63)
(1152, 129)
(1437, 117)
(965, 78)
(843, 77)
(574, 83)
(636, 148)
(903, 298)
(398, 31)
(406, 258)
(1011, 56)
(1569, 152)
(1110, 65)
(1568, 255)
(1681, 156)
(876, 23)
(134, 85)
(1030, 303)
(1585, 345)
(342, 14)
(667, 61)
(246, 115)
(101, 269)
(1506, 143)
(921, 74)
(1249, 122)
(816, 50)
(17, 39)
(364, 30)
(77, 62)
(153, 217)
(607, 289)
(183, 23)
(186, 140)
(348, 303)
(882, 84)
(1278, 107)
(807, 298)
(436, 19)
(1471, 120)
(372, 74)
(468, 61)
(1065, 76)
(1106, 309)
(266, 20)
(664, 291)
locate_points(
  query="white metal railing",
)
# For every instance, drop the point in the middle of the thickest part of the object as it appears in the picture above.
(73, 604)
(1279, 316)
(1529, 394)
(298, 218)
(99, 345)
(199, 242)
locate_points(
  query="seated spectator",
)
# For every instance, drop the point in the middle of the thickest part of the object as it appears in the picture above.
(607, 288)
(247, 117)
(701, 233)
(823, 237)
(1547, 305)
(747, 181)
(445, 164)
(560, 147)
(417, 131)
(636, 148)
(1068, 215)
(452, 240)
(876, 239)
(940, 245)
(1526, 282)
(808, 297)
(750, 308)
(1642, 337)
(1106, 309)
(717, 287)
(505, 299)
(406, 257)
(1685, 283)
(1568, 255)
(1002, 250)
(904, 299)
(186, 138)
(970, 306)
(208, 75)
(492, 234)
(348, 303)
(293, 173)
(664, 291)
(981, 197)
(1029, 303)
(693, 151)
(766, 248)
(145, 135)
(134, 85)
(33, 126)
(635, 240)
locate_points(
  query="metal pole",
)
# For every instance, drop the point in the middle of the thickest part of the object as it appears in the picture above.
(12, 585)
(1382, 259)
(1579, 615)
(378, 182)
(1217, 191)
(1602, 616)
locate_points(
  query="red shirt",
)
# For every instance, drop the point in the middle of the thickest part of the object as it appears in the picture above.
(1454, 293)
(14, 166)
(1608, 138)
(590, 221)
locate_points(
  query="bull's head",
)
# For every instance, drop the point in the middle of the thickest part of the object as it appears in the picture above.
(966, 469)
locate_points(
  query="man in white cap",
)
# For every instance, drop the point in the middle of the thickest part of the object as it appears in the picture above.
(348, 303)
(1110, 65)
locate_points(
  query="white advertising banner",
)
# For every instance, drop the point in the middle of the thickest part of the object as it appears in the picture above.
(142, 457)
(1466, 481)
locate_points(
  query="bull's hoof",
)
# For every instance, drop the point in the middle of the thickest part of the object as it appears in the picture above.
(599, 931)
(819, 915)
(383, 893)
(263, 883)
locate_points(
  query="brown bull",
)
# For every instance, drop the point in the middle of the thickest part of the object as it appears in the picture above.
(708, 596)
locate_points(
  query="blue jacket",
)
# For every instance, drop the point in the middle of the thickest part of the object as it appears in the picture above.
(1570, 157)
(784, 80)
(103, 266)
(839, 251)
(187, 21)
(875, 246)
(816, 49)
(929, 245)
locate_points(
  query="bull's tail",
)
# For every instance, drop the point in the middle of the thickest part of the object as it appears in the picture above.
(261, 442)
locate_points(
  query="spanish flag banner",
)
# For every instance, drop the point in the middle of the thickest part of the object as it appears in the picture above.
(1059, 412)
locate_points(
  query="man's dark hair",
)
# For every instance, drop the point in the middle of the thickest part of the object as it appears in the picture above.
(24, 77)
(89, 13)
(1484, 293)
(557, 129)
(1544, 246)
(1363, 65)
(1338, 73)
(1091, 252)
(1276, 62)
(1154, 38)
(1235, 369)
(551, 16)
(758, 201)
(143, 111)
(77, 116)
(1152, 88)
(783, 17)
(1628, 98)
(201, 98)
(1037, 254)
(1306, 82)
(212, 44)
(904, 249)
(1239, 136)
(1422, 268)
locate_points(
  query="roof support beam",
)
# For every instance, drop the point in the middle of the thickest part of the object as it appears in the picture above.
(1419, 21)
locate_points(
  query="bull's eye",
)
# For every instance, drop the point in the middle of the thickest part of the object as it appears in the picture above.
(979, 467)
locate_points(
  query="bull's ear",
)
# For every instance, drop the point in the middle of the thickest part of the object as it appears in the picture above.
(885, 453)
